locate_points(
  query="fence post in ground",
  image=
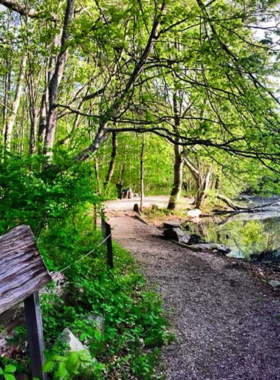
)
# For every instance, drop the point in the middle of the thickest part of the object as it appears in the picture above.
(107, 234)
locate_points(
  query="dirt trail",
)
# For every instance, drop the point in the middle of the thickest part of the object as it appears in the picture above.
(225, 320)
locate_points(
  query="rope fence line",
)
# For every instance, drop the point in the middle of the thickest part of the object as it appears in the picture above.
(85, 256)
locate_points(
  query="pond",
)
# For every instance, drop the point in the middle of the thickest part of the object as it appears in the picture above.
(246, 234)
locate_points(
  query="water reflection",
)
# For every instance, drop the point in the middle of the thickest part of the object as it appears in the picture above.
(244, 234)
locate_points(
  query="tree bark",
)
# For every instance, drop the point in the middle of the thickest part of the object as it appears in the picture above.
(142, 174)
(15, 105)
(56, 79)
(113, 157)
(203, 186)
(178, 163)
(178, 178)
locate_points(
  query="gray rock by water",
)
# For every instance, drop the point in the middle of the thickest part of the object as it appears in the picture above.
(275, 284)
(176, 234)
(172, 224)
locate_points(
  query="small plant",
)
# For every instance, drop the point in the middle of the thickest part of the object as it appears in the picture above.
(8, 372)
(73, 365)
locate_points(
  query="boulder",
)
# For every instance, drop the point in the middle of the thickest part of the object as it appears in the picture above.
(195, 239)
(194, 213)
(71, 342)
(172, 224)
(176, 234)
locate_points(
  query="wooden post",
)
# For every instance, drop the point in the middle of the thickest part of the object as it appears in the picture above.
(106, 232)
(35, 335)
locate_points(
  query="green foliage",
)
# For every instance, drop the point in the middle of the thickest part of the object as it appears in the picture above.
(8, 372)
(133, 316)
(73, 365)
(35, 196)
(59, 206)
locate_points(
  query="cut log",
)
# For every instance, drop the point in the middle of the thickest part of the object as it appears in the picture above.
(22, 269)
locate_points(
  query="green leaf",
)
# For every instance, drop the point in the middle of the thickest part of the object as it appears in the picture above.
(8, 376)
(10, 368)
(1, 371)
(62, 371)
(48, 366)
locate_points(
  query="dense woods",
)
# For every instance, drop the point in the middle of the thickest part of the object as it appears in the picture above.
(203, 77)
(163, 97)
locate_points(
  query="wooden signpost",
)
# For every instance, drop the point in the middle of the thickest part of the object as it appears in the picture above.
(22, 274)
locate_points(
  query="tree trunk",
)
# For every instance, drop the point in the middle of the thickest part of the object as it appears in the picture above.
(203, 186)
(113, 157)
(56, 79)
(7, 89)
(178, 163)
(15, 106)
(178, 178)
(142, 173)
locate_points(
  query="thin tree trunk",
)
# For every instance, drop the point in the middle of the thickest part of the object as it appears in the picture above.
(178, 163)
(56, 79)
(142, 173)
(204, 183)
(96, 171)
(113, 159)
(7, 89)
(33, 111)
(178, 179)
(15, 105)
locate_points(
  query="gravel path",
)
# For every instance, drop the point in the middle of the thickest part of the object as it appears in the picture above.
(224, 319)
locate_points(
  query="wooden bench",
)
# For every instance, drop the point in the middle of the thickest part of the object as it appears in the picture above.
(22, 274)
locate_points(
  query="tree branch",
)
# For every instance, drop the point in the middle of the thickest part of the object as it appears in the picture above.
(24, 10)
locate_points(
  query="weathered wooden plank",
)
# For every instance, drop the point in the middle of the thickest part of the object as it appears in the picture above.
(22, 269)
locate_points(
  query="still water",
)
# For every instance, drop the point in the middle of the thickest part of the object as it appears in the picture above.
(245, 234)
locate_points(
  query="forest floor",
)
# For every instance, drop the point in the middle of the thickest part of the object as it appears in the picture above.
(225, 320)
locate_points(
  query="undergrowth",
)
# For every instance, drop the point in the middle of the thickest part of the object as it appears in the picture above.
(134, 326)
(58, 205)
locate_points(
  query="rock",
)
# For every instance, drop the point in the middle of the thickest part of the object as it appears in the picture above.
(277, 253)
(98, 321)
(275, 284)
(195, 239)
(210, 246)
(176, 234)
(172, 224)
(185, 239)
(194, 213)
(72, 343)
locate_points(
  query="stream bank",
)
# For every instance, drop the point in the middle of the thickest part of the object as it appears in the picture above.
(225, 320)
